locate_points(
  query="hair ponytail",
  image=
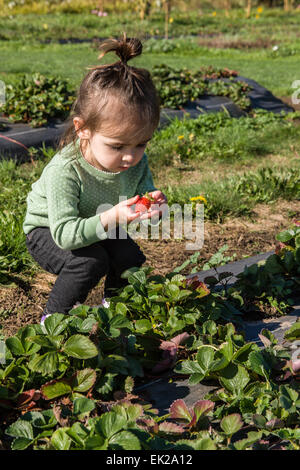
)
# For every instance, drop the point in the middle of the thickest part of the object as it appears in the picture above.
(125, 48)
(132, 86)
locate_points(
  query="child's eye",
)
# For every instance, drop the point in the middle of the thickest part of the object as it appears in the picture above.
(119, 148)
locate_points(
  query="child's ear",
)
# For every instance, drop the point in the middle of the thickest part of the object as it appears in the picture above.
(83, 133)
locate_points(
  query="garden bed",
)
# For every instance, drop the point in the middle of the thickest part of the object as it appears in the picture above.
(162, 392)
(17, 138)
(25, 300)
(89, 389)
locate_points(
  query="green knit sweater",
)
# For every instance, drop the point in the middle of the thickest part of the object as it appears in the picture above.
(69, 191)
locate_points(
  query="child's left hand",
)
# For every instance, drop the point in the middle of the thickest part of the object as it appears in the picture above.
(160, 198)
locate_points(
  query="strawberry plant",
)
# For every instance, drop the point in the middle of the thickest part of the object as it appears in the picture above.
(275, 280)
(289, 241)
(178, 86)
(250, 378)
(269, 285)
(36, 99)
(256, 408)
(72, 383)
(257, 405)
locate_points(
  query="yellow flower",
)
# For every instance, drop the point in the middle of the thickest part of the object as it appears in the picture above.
(171, 20)
(257, 16)
(45, 26)
(260, 9)
(180, 137)
(191, 136)
(214, 13)
(199, 198)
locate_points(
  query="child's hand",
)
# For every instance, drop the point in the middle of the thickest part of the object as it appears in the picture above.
(124, 212)
(120, 213)
(160, 198)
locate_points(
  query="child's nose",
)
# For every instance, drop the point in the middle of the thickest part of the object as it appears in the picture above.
(129, 156)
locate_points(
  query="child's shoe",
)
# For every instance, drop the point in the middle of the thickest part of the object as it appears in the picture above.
(105, 303)
(44, 316)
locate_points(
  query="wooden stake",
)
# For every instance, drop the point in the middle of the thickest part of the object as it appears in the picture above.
(248, 9)
(227, 7)
(167, 5)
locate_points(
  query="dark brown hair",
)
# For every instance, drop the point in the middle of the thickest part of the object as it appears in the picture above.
(107, 85)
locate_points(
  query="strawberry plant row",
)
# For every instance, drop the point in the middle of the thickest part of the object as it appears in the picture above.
(257, 406)
(38, 100)
(71, 383)
(176, 87)
(35, 99)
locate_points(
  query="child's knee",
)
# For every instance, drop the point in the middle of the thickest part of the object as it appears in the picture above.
(133, 260)
(97, 266)
(142, 258)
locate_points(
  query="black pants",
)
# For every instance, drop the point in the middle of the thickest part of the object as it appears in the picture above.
(80, 270)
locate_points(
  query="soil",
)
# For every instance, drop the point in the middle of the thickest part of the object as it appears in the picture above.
(23, 302)
(288, 100)
(221, 42)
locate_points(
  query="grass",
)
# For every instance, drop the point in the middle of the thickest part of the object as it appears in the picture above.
(15, 184)
(274, 70)
(219, 138)
(237, 195)
(70, 61)
(272, 23)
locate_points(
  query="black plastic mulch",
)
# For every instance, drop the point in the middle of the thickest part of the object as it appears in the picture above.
(15, 139)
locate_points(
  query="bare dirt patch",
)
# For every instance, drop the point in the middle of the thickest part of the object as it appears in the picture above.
(222, 42)
(288, 100)
(23, 303)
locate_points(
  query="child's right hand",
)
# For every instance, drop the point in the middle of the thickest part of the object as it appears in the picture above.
(122, 213)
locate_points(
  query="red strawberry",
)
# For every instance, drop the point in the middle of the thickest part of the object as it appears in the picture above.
(144, 203)
(279, 250)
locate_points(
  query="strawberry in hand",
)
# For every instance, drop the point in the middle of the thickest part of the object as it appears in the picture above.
(151, 205)
(144, 203)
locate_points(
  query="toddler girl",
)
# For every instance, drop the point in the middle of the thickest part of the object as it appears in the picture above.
(100, 158)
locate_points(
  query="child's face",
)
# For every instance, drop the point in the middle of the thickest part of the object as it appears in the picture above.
(118, 153)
